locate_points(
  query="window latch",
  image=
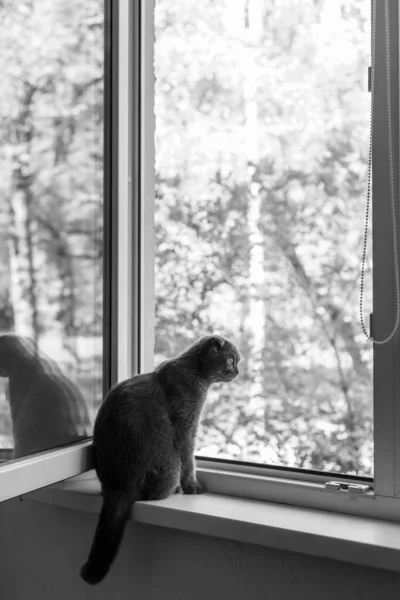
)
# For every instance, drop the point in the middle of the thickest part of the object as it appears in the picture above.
(352, 488)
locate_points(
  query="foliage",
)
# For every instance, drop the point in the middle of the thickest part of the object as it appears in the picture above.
(261, 153)
(262, 141)
(51, 160)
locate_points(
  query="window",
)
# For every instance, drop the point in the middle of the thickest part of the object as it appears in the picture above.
(262, 135)
(262, 139)
(52, 208)
(249, 221)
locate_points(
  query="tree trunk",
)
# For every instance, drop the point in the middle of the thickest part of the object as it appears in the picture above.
(252, 18)
(23, 285)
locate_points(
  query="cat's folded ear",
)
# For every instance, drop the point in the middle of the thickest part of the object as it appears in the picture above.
(216, 343)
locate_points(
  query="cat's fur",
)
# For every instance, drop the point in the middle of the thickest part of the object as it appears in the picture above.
(47, 409)
(144, 439)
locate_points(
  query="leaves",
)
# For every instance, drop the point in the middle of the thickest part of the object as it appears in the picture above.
(262, 145)
(51, 159)
(262, 119)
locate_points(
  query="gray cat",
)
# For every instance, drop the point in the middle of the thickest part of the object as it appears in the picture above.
(144, 439)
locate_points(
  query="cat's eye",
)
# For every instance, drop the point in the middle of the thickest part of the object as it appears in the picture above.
(230, 361)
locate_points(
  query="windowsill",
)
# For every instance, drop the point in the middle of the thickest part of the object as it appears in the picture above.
(365, 541)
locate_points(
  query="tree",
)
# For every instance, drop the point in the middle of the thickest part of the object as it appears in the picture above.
(291, 200)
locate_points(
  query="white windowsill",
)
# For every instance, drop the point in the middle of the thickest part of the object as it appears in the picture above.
(360, 540)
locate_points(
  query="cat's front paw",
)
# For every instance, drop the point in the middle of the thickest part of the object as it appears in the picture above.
(193, 487)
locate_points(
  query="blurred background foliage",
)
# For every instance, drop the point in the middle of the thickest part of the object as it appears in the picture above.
(262, 125)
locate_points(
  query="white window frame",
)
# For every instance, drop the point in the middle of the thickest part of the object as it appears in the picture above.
(132, 304)
(303, 488)
(386, 357)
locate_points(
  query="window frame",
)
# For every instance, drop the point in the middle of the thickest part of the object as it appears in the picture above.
(307, 489)
(29, 473)
(386, 376)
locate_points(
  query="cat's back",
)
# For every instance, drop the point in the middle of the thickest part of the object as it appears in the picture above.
(131, 427)
(133, 394)
(130, 408)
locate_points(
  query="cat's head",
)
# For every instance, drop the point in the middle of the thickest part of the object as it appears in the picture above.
(219, 359)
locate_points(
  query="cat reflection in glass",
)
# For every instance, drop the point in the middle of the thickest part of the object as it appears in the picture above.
(47, 409)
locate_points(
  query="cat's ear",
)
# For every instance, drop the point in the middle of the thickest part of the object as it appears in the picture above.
(217, 343)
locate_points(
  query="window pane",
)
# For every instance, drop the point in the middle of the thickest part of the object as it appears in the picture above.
(51, 220)
(262, 137)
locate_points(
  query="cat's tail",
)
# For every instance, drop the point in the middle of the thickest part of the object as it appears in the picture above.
(114, 515)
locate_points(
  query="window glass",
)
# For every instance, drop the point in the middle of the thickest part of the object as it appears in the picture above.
(262, 138)
(51, 222)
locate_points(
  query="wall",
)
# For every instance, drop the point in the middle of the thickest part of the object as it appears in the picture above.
(43, 547)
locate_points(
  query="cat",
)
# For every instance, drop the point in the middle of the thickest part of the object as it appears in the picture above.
(144, 439)
(47, 409)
